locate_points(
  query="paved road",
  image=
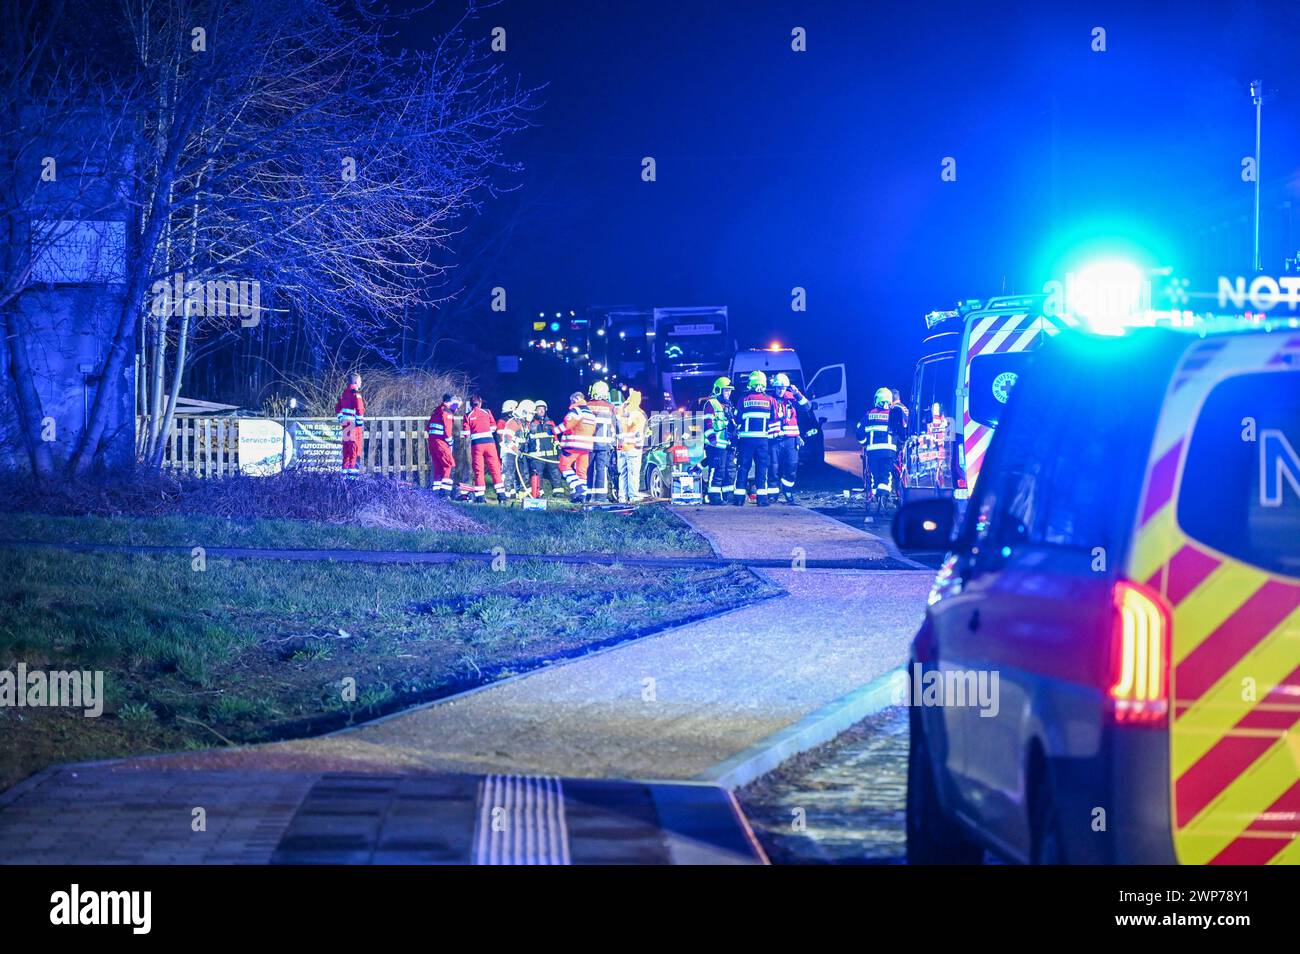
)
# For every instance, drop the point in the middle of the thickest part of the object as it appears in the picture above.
(124, 815)
(666, 707)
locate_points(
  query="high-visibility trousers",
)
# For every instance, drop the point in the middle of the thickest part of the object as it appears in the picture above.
(573, 468)
(444, 463)
(721, 464)
(598, 471)
(755, 452)
(485, 458)
(784, 466)
(352, 456)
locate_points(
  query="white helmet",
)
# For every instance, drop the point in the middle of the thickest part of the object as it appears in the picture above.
(525, 409)
(509, 408)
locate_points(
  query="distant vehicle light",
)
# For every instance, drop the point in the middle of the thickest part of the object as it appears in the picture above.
(600, 332)
(774, 346)
(929, 526)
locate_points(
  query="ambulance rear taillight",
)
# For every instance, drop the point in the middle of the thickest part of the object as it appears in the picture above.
(1139, 670)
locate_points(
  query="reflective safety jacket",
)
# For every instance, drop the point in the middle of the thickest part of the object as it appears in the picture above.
(442, 424)
(788, 402)
(719, 423)
(606, 427)
(351, 408)
(511, 433)
(757, 412)
(540, 439)
(577, 430)
(480, 425)
(874, 430)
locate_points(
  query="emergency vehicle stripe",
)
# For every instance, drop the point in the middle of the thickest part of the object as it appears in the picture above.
(978, 331)
(1259, 615)
(992, 343)
(1267, 670)
(1183, 573)
(1233, 760)
(1250, 737)
(1265, 837)
(1160, 483)
(991, 336)
(1240, 804)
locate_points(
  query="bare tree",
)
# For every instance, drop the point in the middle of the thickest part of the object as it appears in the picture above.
(279, 143)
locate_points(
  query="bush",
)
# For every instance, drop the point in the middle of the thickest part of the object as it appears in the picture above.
(388, 393)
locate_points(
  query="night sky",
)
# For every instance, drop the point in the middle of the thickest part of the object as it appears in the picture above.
(822, 169)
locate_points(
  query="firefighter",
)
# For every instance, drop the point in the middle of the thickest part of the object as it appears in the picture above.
(787, 436)
(719, 437)
(480, 428)
(898, 403)
(602, 441)
(541, 452)
(756, 413)
(631, 442)
(509, 433)
(440, 434)
(351, 412)
(575, 433)
(877, 434)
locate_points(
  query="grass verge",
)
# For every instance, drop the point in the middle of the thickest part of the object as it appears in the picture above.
(247, 651)
(647, 531)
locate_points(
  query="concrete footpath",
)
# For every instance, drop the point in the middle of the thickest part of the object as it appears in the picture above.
(673, 706)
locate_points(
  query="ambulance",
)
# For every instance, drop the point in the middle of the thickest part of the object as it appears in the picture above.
(974, 355)
(1109, 666)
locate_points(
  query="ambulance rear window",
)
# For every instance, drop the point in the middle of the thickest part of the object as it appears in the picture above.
(1240, 491)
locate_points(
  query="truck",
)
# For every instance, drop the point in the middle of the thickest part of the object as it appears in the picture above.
(691, 347)
(971, 359)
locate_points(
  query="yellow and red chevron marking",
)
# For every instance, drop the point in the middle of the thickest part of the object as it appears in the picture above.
(994, 335)
(1235, 654)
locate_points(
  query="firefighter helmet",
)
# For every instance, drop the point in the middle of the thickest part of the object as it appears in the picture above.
(722, 384)
(540, 405)
(525, 409)
(884, 397)
(757, 381)
(781, 379)
(508, 408)
(599, 391)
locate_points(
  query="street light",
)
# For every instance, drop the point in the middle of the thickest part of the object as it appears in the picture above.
(1257, 97)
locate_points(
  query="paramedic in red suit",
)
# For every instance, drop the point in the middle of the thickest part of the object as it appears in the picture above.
(351, 412)
(440, 431)
(481, 428)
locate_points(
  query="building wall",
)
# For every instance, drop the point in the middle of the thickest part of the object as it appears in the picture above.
(70, 328)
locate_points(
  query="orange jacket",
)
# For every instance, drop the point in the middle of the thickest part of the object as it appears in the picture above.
(577, 430)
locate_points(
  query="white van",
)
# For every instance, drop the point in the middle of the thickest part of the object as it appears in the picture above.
(827, 390)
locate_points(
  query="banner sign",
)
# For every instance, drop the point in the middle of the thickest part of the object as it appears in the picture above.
(316, 446)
